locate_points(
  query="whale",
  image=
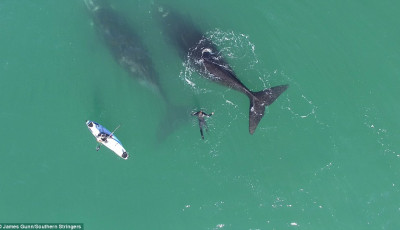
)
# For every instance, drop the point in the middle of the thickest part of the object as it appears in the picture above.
(124, 44)
(203, 55)
(130, 52)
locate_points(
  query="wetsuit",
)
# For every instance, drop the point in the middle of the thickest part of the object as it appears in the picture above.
(101, 137)
(202, 123)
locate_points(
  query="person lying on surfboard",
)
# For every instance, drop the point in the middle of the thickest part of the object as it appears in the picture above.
(101, 137)
(105, 137)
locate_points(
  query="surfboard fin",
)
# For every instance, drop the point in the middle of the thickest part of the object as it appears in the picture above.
(259, 101)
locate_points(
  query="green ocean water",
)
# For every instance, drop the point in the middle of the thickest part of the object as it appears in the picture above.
(325, 156)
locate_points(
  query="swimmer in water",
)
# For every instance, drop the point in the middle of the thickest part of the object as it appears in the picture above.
(202, 123)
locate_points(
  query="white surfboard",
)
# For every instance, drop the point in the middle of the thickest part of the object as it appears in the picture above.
(107, 138)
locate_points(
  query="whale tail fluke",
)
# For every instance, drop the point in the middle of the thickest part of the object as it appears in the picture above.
(258, 102)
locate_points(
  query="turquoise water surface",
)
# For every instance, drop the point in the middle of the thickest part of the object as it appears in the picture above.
(326, 155)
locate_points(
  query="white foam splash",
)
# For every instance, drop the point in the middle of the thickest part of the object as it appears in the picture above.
(382, 134)
(231, 46)
(190, 82)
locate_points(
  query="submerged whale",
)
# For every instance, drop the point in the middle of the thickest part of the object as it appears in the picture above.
(125, 45)
(129, 51)
(204, 56)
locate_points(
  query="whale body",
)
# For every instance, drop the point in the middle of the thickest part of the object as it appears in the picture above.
(205, 57)
(124, 43)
